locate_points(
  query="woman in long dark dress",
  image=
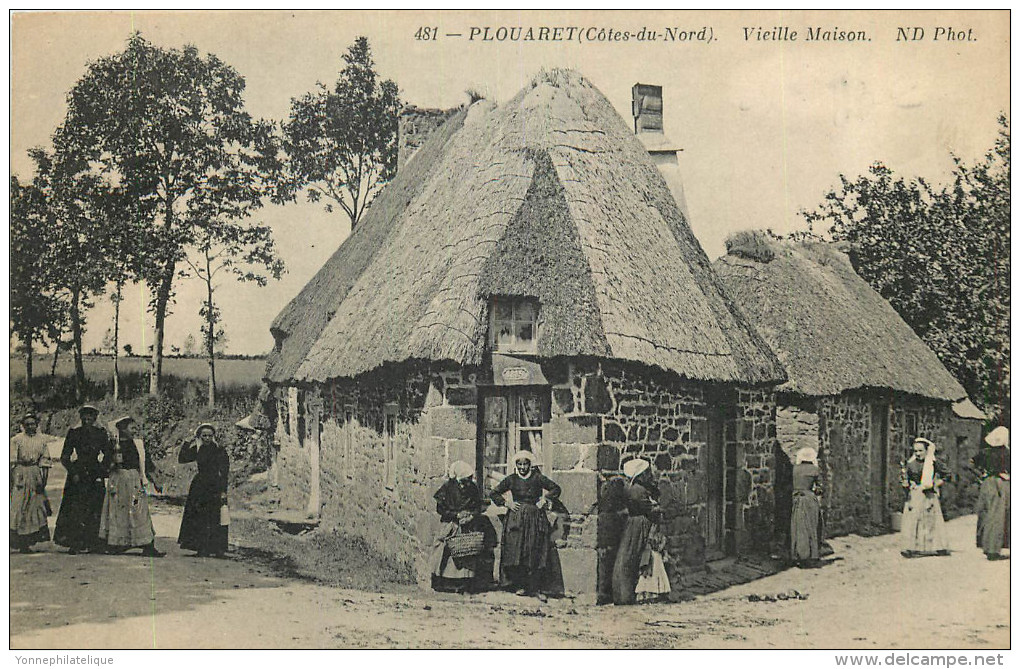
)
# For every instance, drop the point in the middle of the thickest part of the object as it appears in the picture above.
(612, 517)
(634, 554)
(30, 465)
(806, 512)
(924, 530)
(201, 529)
(125, 521)
(524, 556)
(459, 504)
(992, 464)
(86, 456)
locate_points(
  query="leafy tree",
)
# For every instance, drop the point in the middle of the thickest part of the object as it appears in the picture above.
(342, 142)
(34, 310)
(170, 128)
(940, 256)
(57, 341)
(246, 252)
(129, 350)
(79, 206)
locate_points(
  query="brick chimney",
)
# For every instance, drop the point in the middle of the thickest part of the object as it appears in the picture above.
(647, 108)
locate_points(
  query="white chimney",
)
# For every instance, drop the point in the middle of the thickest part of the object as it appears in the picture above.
(647, 107)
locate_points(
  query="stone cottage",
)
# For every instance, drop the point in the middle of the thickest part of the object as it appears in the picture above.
(527, 281)
(862, 385)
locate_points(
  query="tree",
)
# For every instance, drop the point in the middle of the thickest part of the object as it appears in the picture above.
(79, 208)
(342, 143)
(34, 310)
(247, 252)
(940, 256)
(129, 350)
(169, 126)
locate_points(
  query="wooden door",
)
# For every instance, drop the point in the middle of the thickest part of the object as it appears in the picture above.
(714, 524)
(513, 419)
(879, 461)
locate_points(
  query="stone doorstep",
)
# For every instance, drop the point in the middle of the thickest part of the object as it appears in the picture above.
(728, 572)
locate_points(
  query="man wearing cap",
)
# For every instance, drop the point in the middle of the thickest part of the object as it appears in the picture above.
(86, 456)
(992, 465)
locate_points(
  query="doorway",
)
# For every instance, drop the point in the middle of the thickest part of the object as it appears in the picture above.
(513, 419)
(719, 469)
(879, 462)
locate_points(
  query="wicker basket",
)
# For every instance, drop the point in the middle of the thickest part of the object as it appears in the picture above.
(468, 544)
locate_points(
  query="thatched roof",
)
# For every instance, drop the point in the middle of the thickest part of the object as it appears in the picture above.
(967, 409)
(830, 329)
(548, 196)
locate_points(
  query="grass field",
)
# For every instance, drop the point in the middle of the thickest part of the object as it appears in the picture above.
(99, 369)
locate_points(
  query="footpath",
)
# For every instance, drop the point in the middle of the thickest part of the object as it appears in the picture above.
(867, 597)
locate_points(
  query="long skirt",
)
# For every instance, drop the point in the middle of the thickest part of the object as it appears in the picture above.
(28, 506)
(631, 556)
(653, 582)
(924, 529)
(993, 515)
(200, 525)
(450, 573)
(80, 510)
(804, 526)
(125, 520)
(525, 549)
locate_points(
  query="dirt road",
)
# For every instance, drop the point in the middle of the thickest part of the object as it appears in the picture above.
(870, 598)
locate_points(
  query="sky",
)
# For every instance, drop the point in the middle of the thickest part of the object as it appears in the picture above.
(766, 126)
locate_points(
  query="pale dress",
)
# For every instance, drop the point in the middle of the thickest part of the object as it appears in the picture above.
(29, 457)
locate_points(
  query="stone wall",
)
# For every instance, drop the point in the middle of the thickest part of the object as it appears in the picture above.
(605, 413)
(845, 460)
(600, 414)
(755, 460)
(931, 420)
(840, 428)
(960, 495)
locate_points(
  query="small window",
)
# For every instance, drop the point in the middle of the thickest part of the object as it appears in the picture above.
(514, 325)
(389, 445)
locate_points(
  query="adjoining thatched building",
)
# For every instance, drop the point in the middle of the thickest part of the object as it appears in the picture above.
(526, 281)
(862, 385)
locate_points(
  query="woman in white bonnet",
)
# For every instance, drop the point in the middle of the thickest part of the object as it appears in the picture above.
(924, 530)
(635, 557)
(806, 513)
(992, 465)
(526, 548)
(459, 504)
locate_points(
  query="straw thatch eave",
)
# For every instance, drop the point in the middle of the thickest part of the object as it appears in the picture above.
(550, 195)
(830, 329)
(302, 321)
